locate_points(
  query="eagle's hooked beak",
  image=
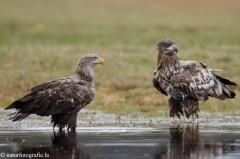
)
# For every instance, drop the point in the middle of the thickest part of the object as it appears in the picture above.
(173, 47)
(101, 61)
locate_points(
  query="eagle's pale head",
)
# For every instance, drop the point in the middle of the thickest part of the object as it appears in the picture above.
(86, 64)
(90, 60)
(167, 46)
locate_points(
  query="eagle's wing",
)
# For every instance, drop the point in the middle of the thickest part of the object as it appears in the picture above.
(63, 96)
(197, 80)
(60, 96)
(157, 86)
(43, 86)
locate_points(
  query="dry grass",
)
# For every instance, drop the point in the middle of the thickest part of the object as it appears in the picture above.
(42, 40)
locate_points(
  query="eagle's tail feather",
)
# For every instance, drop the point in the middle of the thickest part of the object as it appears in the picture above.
(19, 116)
(24, 110)
(232, 94)
(24, 107)
(227, 92)
(220, 83)
(224, 80)
(21, 102)
(11, 106)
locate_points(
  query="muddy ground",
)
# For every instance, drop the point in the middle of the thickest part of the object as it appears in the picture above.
(110, 136)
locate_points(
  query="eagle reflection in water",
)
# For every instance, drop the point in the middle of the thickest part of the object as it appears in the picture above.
(64, 145)
(183, 143)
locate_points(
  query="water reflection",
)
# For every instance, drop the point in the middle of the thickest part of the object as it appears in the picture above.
(179, 141)
(185, 142)
(63, 145)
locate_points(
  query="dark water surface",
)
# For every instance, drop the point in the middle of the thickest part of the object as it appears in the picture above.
(178, 141)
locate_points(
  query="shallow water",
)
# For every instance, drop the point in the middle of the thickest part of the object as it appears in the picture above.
(153, 139)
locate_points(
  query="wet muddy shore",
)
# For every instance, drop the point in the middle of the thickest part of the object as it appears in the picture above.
(106, 136)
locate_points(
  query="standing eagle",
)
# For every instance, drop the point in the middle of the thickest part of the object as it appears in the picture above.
(62, 98)
(186, 82)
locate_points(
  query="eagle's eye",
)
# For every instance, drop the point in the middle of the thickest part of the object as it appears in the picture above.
(167, 45)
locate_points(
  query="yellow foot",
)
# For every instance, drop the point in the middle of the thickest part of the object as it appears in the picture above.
(187, 120)
(171, 120)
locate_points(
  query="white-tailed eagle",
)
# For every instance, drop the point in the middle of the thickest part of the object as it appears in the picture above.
(62, 98)
(186, 82)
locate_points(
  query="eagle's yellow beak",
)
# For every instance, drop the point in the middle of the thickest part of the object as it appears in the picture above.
(101, 61)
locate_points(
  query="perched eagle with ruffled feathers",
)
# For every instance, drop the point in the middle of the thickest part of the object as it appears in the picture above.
(186, 82)
(62, 98)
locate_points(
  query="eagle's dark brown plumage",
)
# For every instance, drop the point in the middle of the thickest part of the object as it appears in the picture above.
(186, 82)
(62, 98)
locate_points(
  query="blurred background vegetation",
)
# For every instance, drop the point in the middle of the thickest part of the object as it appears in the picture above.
(42, 40)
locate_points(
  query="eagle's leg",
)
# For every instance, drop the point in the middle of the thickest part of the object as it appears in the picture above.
(71, 121)
(56, 120)
(60, 128)
(190, 107)
(175, 108)
(63, 120)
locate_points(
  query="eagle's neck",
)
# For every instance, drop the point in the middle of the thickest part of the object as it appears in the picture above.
(85, 72)
(167, 64)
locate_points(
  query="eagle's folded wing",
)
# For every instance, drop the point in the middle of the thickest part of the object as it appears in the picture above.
(197, 80)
